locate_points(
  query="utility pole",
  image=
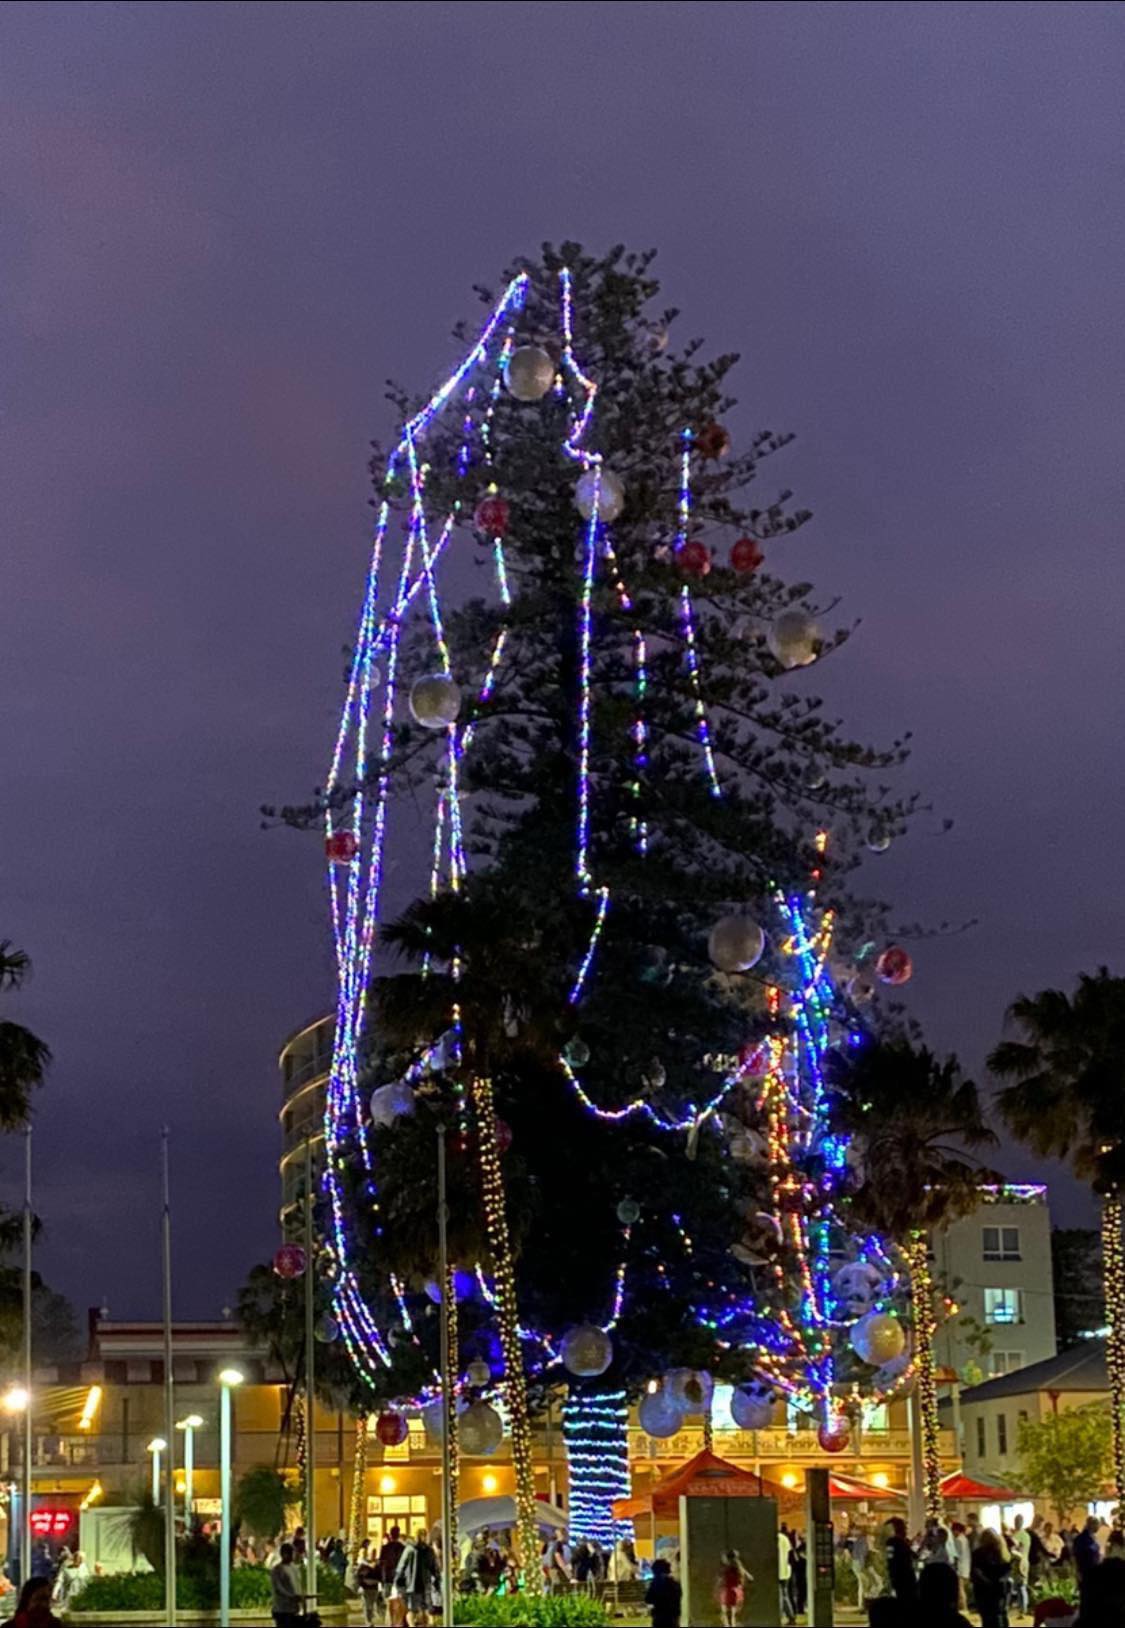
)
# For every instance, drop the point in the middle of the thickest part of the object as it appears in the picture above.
(310, 1397)
(169, 1399)
(28, 1437)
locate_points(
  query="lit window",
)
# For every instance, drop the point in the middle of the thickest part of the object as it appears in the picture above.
(1003, 1306)
(1000, 1243)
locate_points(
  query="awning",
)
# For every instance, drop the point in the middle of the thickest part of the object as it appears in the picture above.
(962, 1489)
(850, 1489)
(704, 1476)
(475, 1514)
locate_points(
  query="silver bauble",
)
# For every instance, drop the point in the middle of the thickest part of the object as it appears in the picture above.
(659, 1416)
(478, 1373)
(794, 638)
(691, 1389)
(435, 701)
(530, 373)
(391, 1102)
(736, 944)
(878, 1338)
(480, 1430)
(751, 1405)
(604, 486)
(628, 1212)
(878, 839)
(587, 1351)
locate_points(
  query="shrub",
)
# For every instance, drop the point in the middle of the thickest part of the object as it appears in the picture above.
(198, 1591)
(524, 1611)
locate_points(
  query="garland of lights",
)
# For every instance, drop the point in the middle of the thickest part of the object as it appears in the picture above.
(449, 1402)
(595, 1430)
(357, 1523)
(1113, 1255)
(917, 1252)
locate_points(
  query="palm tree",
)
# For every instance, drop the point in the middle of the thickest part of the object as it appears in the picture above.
(23, 1056)
(1066, 1101)
(909, 1115)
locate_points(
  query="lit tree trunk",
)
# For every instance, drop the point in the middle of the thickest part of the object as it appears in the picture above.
(449, 1312)
(1113, 1263)
(507, 1316)
(596, 1433)
(359, 1485)
(917, 1253)
(299, 1418)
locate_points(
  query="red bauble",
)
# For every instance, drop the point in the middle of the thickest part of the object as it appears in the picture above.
(290, 1261)
(745, 555)
(713, 441)
(751, 1057)
(894, 966)
(694, 558)
(503, 1136)
(391, 1429)
(341, 847)
(833, 1438)
(491, 516)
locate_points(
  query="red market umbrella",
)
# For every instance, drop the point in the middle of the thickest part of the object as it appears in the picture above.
(962, 1489)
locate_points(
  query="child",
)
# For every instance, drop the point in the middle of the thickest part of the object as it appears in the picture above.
(731, 1589)
(663, 1596)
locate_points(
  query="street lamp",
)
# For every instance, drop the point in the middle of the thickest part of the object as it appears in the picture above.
(228, 1379)
(189, 1426)
(156, 1446)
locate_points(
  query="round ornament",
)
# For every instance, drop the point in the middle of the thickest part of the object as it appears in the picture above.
(392, 1428)
(659, 1416)
(894, 966)
(503, 1136)
(794, 638)
(713, 441)
(605, 488)
(690, 1389)
(391, 1102)
(435, 701)
(861, 991)
(736, 944)
(433, 1419)
(628, 1212)
(657, 338)
(576, 1053)
(815, 779)
(327, 1329)
(856, 1284)
(833, 1438)
(480, 1430)
(745, 555)
(878, 839)
(878, 1338)
(751, 1405)
(752, 1058)
(655, 1075)
(694, 558)
(587, 1350)
(340, 848)
(290, 1261)
(478, 1373)
(491, 516)
(531, 373)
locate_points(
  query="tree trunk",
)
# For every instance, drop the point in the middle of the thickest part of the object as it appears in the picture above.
(449, 1312)
(357, 1526)
(1112, 1266)
(507, 1317)
(917, 1253)
(299, 1431)
(596, 1433)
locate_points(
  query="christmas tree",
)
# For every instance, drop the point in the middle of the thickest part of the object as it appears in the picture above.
(616, 991)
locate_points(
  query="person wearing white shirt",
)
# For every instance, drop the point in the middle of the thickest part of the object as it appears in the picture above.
(785, 1574)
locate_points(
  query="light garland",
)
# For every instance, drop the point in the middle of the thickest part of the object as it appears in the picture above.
(596, 1433)
(1113, 1259)
(917, 1252)
(358, 1511)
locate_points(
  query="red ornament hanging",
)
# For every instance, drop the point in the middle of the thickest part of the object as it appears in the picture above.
(752, 1057)
(391, 1428)
(503, 1136)
(833, 1438)
(745, 555)
(491, 516)
(341, 847)
(694, 558)
(290, 1261)
(894, 966)
(713, 441)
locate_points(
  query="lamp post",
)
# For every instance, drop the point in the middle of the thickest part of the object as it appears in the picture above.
(17, 1401)
(28, 1229)
(228, 1379)
(156, 1446)
(189, 1426)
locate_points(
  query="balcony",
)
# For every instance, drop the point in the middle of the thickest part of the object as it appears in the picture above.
(781, 1446)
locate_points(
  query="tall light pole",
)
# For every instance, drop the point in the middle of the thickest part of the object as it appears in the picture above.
(189, 1426)
(156, 1446)
(448, 1401)
(25, 1529)
(17, 1399)
(169, 1400)
(228, 1379)
(310, 1393)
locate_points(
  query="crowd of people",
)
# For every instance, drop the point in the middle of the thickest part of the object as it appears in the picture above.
(948, 1570)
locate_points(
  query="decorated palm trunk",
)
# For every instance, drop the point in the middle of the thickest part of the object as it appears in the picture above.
(515, 1390)
(449, 1403)
(1113, 1265)
(299, 1444)
(357, 1523)
(922, 1294)
(596, 1433)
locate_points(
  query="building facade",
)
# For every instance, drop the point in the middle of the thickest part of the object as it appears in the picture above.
(996, 1264)
(305, 1061)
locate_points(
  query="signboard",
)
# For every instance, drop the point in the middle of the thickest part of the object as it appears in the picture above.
(51, 1523)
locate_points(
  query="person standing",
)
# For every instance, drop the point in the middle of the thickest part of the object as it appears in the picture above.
(990, 1572)
(1020, 1546)
(369, 1583)
(900, 1561)
(731, 1589)
(1087, 1554)
(962, 1562)
(785, 1573)
(858, 1550)
(287, 1592)
(664, 1596)
(417, 1579)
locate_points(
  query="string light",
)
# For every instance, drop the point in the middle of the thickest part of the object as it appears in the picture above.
(595, 1430)
(1113, 1240)
(687, 620)
(917, 1252)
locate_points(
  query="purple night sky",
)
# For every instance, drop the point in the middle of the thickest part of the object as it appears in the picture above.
(225, 225)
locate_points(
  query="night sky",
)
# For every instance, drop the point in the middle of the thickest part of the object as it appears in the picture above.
(224, 226)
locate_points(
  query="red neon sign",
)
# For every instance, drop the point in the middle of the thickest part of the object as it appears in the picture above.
(51, 1523)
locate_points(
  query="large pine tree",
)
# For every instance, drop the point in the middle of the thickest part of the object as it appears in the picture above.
(633, 760)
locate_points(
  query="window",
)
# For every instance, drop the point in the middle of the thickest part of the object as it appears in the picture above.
(982, 1442)
(1003, 1306)
(407, 1513)
(875, 1417)
(1000, 1243)
(1006, 1362)
(1002, 1434)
